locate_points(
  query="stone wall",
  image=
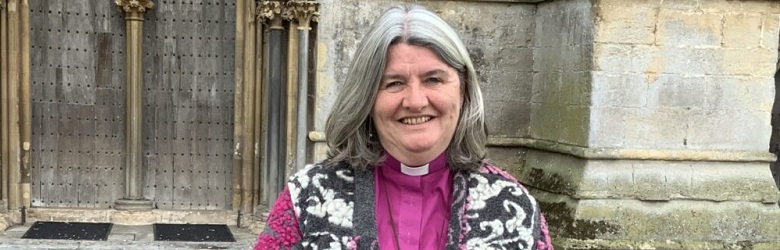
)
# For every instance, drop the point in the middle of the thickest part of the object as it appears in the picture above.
(499, 37)
(675, 73)
(562, 52)
(676, 125)
(636, 124)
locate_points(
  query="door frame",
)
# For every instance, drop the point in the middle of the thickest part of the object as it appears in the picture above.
(15, 119)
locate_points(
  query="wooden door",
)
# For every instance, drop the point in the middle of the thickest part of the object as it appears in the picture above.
(189, 81)
(78, 102)
(77, 89)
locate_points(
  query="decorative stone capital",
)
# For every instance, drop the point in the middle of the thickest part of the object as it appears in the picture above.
(273, 13)
(2, 4)
(136, 6)
(304, 12)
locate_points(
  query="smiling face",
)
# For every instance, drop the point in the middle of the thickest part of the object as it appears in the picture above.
(418, 104)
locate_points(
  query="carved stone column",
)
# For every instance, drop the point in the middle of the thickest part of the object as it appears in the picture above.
(4, 124)
(14, 104)
(273, 13)
(304, 12)
(133, 200)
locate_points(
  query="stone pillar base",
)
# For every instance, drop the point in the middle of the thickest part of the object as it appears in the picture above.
(674, 224)
(133, 205)
(5, 217)
(573, 244)
(649, 204)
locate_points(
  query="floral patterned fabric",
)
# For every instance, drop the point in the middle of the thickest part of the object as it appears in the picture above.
(281, 231)
(333, 208)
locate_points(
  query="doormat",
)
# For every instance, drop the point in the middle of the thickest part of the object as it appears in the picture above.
(68, 231)
(193, 232)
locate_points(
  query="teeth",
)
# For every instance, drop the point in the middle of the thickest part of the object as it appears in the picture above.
(416, 120)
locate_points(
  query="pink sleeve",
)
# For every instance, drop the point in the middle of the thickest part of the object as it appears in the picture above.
(281, 228)
(545, 243)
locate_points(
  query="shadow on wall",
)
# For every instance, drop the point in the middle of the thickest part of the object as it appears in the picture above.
(774, 142)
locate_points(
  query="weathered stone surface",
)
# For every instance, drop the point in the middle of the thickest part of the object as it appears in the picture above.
(505, 158)
(766, 7)
(570, 244)
(733, 30)
(770, 25)
(4, 222)
(625, 222)
(256, 228)
(634, 24)
(508, 118)
(682, 28)
(562, 58)
(708, 68)
(134, 217)
(552, 172)
(622, 58)
(683, 128)
(646, 180)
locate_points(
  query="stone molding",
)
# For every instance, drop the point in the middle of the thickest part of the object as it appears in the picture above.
(133, 205)
(619, 153)
(633, 224)
(139, 6)
(144, 217)
(652, 181)
(634, 153)
(304, 12)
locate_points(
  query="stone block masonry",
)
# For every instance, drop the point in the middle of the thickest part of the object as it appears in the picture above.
(635, 123)
(562, 59)
(700, 60)
(676, 125)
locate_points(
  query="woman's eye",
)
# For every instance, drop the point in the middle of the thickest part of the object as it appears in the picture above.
(394, 86)
(433, 80)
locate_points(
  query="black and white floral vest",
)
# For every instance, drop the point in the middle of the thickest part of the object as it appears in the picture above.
(490, 210)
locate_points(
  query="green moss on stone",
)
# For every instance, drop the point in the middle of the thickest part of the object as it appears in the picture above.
(559, 217)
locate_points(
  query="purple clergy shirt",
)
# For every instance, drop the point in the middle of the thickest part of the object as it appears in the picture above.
(420, 203)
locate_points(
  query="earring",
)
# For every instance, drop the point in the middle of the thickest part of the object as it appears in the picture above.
(370, 128)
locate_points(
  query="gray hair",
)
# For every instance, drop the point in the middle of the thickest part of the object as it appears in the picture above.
(349, 129)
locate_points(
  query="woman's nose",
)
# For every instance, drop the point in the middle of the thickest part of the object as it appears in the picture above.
(416, 97)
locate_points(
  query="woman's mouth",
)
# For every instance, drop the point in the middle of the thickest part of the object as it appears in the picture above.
(415, 120)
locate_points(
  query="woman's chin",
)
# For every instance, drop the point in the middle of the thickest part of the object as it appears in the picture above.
(419, 155)
(418, 149)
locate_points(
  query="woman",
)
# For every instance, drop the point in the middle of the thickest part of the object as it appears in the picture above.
(406, 167)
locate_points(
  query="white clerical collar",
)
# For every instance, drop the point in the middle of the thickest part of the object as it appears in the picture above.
(414, 171)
